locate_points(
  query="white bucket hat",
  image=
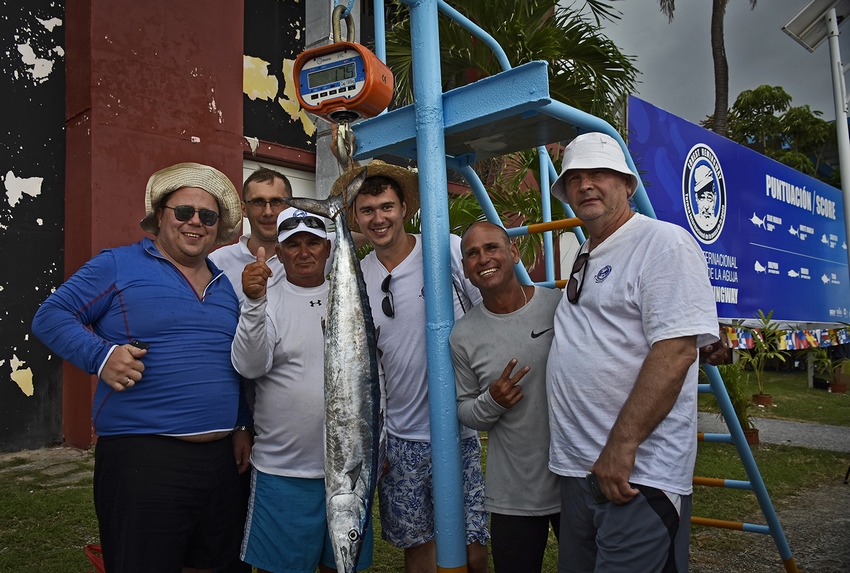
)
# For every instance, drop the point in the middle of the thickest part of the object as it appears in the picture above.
(592, 151)
(204, 177)
(304, 223)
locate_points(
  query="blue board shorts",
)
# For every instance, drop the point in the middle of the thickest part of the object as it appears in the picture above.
(406, 493)
(287, 529)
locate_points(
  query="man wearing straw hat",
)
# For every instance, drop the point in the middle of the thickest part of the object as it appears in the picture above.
(155, 321)
(395, 284)
(622, 373)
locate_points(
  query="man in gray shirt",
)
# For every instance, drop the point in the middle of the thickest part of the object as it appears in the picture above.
(496, 346)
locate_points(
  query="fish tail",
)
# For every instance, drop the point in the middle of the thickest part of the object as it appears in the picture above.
(324, 207)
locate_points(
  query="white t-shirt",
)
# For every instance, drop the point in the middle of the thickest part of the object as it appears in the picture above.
(233, 259)
(401, 341)
(645, 283)
(280, 344)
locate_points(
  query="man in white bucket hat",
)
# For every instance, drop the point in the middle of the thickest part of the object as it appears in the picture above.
(622, 373)
(155, 321)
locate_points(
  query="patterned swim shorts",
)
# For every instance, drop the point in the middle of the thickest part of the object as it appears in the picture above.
(406, 493)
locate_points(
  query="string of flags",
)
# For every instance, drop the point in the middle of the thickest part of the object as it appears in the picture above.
(742, 339)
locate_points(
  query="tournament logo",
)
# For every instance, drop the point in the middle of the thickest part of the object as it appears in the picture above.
(704, 193)
(602, 274)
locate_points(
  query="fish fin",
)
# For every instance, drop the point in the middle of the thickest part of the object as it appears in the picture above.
(354, 474)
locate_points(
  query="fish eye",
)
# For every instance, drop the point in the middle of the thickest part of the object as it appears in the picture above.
(353, 535)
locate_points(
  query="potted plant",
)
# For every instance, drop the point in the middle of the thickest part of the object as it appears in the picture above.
(832, 368)
(735, 381)
(766, 339)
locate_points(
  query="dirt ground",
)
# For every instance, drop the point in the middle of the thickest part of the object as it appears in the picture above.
(816, 525)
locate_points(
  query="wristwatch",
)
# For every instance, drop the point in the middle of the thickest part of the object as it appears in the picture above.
(244, 429)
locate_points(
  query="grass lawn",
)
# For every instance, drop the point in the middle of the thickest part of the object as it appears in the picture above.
(794, 400)
(47, 516)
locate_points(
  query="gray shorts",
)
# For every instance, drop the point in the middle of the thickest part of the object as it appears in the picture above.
(648, 534)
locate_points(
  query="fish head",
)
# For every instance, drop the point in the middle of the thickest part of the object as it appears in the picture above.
(347, 521)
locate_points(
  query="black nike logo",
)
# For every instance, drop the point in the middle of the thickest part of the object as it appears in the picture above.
(539, 334)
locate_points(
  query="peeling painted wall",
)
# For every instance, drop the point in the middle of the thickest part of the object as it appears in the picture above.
(274, 36)
(32, 179)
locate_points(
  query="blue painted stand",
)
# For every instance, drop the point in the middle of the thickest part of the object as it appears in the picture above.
(491, 117)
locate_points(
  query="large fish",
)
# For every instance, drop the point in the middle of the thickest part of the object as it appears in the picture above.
(352, 392)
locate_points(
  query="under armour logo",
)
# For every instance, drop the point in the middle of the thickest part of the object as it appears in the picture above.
(316, 302)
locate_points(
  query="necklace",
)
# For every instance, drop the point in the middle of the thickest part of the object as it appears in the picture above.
(524, 298)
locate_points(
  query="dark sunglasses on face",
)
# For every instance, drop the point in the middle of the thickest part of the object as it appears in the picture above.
(292, 222)
(387, 304)
(574, 286)
(275, 203)
(185, 212)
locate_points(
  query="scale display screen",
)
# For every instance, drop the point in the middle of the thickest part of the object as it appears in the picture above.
(342, 82)
(331, 75)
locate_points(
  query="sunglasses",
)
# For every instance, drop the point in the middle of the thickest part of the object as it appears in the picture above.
(574, 286)
(308, 221)
(185, 212)
(387, 304)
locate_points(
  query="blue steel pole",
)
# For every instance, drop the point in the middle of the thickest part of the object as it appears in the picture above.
(544, 161)
(746, 455)
(439, 309)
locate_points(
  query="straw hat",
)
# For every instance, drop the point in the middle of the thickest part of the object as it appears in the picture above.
(204, 177)
(592, 151)
(407, 180)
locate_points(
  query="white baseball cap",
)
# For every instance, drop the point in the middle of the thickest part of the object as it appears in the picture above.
(592, 151)
(292, 220)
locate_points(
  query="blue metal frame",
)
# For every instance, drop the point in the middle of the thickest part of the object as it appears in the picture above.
(419, 131)
(756, 483)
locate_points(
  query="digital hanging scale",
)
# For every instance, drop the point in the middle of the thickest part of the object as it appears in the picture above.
(342, 82)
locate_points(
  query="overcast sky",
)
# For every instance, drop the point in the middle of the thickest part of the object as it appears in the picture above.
(675, 59)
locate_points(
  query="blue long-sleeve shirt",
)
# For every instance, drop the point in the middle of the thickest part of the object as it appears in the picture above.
(189, 385)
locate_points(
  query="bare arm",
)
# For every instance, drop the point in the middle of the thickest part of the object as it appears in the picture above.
(658, 385)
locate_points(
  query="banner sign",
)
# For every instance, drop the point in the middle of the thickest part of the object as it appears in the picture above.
(773, 238)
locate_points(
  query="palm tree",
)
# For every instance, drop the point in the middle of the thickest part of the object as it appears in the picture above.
(718, 54)
(586, 71)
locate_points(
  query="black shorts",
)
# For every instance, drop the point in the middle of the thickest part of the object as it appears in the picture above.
(163, 504)
(518, 542)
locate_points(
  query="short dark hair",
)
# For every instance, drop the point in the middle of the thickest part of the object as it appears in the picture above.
(377, 184)
(263, 175)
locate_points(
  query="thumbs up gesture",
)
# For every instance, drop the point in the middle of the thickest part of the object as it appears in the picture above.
(255, 277)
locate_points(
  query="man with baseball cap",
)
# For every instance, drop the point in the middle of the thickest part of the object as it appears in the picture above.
(279, 344)
(155, 321)
(622, 373)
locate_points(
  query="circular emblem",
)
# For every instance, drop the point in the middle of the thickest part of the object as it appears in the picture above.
(603, 273)
(704, 193)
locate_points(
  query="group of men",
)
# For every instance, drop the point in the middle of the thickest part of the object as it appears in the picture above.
(587, 396)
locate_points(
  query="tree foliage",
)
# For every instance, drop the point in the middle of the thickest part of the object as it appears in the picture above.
(586, 69)
(764, 119)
